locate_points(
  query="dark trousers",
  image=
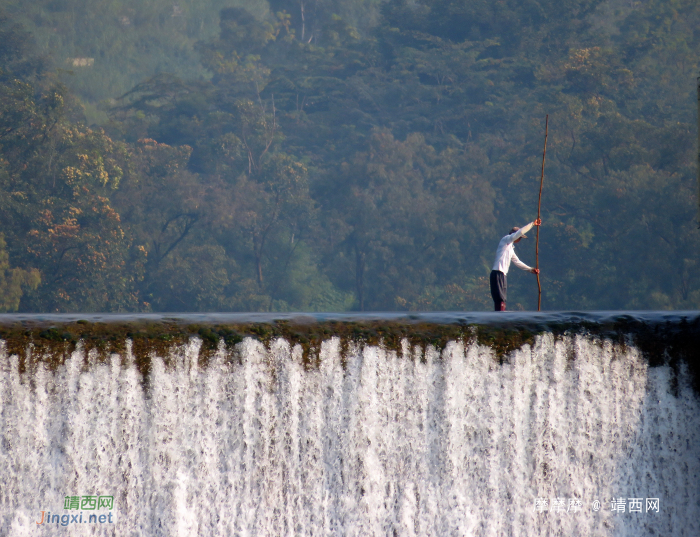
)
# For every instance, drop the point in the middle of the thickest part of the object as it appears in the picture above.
(499, 289)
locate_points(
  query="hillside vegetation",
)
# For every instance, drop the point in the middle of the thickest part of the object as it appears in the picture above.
(240, 155)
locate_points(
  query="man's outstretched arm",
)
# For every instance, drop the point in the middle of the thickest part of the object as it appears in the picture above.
(518, 234)
(515, 259)
(522, 265)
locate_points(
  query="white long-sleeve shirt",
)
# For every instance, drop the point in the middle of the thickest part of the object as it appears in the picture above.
(506, 252)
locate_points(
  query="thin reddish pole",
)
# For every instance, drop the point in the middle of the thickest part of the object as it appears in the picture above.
(539, 205)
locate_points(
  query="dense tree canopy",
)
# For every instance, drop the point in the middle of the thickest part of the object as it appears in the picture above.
(359, 155)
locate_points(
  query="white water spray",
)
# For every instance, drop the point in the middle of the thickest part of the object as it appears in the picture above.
(370, 443)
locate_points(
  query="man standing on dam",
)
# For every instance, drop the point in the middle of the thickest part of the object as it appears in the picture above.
(504, 255)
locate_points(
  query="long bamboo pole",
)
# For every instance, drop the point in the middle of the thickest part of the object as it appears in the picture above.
(698, 160)
(539, 206)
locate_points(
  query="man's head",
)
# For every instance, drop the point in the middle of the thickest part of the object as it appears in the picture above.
(513, 231)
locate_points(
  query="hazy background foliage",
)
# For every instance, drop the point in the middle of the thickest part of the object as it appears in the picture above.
(247, 155)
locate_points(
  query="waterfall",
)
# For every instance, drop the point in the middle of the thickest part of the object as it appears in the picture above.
(365, 441)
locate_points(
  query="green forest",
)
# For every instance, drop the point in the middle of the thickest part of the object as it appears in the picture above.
(346, 155)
